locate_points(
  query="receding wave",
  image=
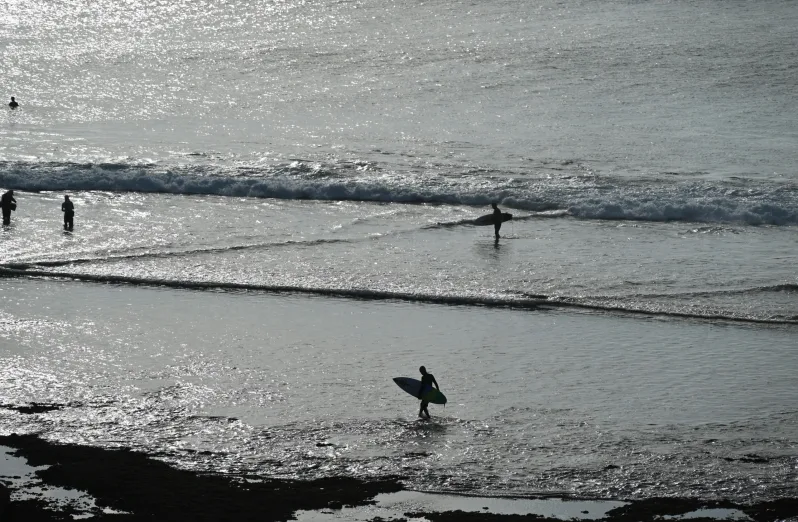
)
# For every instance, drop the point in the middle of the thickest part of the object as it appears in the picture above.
(24, 265)
(587, 196)
(784, 287)
(518, 301)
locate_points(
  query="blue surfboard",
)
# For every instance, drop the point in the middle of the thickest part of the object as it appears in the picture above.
(413, 386)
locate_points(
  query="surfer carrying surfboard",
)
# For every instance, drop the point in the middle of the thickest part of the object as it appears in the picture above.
(497, 219)
(427, 380)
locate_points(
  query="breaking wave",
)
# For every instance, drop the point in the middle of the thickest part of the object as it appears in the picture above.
(584, 196)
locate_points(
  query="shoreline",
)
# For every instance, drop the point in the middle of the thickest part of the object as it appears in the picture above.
(129, 486)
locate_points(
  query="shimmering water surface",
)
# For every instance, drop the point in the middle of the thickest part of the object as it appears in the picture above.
(299, 386)
(391, 250)
(241, 169)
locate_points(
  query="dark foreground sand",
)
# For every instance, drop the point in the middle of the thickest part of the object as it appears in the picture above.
(147, 489)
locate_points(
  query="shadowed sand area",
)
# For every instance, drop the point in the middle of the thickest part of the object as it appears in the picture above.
(126, 485)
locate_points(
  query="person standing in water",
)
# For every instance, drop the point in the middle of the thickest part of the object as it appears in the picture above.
(8, 203)
(13, 103)
(497, 219)
(427, 380)
(68, 208)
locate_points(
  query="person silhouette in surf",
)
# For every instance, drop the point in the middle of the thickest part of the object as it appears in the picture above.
(497, 219)
(68, 208)
(13, 103)
(8, 203)
(427, 380)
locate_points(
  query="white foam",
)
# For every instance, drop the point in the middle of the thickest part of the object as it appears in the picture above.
(591, 197)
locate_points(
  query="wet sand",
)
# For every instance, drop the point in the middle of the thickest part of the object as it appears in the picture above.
(126, 485)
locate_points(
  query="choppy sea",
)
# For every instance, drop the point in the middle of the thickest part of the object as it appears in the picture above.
(274, 216)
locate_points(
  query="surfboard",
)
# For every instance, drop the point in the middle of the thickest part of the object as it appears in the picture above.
(13, 206)
(487, 219)
(412, 386)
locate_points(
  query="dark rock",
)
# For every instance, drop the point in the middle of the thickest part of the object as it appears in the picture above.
(154, 491)
(34, 407)
(773, 510)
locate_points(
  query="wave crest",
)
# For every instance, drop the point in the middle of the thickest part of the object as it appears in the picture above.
(752, 202)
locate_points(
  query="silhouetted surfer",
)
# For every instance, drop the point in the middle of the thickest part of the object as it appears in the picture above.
(68, 208)
(427, 380)
(8, 203)
(13, 103)
(497, 219)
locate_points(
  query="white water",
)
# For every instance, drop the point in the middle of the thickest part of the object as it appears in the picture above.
(568, 189)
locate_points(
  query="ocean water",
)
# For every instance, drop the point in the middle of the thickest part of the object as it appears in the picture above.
(274, 216)
(552, 402)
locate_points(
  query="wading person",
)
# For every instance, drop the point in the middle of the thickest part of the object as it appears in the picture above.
(427, 380)
(68, 208)
(497, 219)
(8, 203)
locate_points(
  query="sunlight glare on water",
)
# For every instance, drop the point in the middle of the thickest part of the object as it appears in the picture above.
(301, 387)
(238, 168)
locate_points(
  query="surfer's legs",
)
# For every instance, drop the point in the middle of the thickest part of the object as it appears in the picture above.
(496, 227)
(6, 217)
(423, 409)
(68, 223)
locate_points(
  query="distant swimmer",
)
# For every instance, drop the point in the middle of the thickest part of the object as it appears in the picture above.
(427, 380)
(497, 219)
(8, 203)
(13, 103)
(68, 208)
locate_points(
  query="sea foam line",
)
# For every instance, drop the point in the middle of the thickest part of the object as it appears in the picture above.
(529, 303)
